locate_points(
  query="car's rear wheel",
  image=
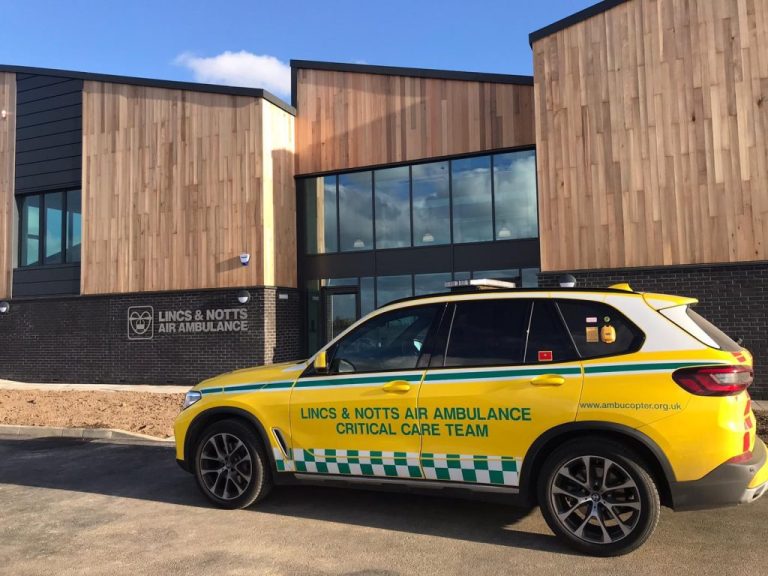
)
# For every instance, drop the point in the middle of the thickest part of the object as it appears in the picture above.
(230, 465)
(598, 496)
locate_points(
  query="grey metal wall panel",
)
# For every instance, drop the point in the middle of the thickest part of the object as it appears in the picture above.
(48, 133)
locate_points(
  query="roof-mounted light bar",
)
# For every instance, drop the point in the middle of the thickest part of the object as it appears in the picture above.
(479, 284)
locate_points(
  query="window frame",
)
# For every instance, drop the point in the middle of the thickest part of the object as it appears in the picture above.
(43, 231)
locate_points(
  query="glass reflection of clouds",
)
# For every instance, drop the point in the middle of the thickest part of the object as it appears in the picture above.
(515, 195)
(355, 211)
(393, 219)
(431, 204)
(472, 203)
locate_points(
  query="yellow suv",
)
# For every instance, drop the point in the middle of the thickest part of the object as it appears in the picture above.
(599, 405)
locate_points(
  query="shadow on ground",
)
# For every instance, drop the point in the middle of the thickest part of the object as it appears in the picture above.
(150, 473)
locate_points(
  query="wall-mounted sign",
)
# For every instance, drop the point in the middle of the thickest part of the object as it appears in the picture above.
(142, 321)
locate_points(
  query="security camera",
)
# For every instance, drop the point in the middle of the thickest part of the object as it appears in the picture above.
(245, 258)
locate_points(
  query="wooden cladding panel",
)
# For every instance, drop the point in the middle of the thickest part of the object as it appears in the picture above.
(7, 162)
(652, 136)
(349, 120)
(173, 189)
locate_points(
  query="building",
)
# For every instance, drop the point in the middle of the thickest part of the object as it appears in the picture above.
(637, 152)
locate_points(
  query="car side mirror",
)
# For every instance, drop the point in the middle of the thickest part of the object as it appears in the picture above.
(321, 362)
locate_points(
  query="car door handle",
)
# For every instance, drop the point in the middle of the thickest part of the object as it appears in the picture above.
(548, 380)
(396, 386)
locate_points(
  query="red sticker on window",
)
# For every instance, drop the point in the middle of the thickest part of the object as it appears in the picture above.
(545, 355)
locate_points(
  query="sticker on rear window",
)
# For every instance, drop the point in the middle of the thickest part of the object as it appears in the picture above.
(593, 334)
(545, 355)
(591, 319)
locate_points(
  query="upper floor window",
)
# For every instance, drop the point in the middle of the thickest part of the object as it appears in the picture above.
(50, 228)
(472, 199)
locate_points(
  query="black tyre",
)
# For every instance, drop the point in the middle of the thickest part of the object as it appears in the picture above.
(230, 465)
(598, 496)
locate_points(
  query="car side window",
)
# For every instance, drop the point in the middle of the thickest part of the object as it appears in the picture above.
(488, 333)
(598, 329)
(389, 341)
(548, 340)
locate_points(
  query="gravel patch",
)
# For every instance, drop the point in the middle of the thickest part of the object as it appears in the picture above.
(147, 413)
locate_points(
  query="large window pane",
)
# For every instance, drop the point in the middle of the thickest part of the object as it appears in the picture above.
(472, 206)
(74, 225)
(355, 207)
(514, 178)
(54, 224)
(431, 283)
(431, 204)
(367, 295)
(509, 275)
(391, 288)
(488, 333)
(390, 341)
(530, 277)
(320, 214)
(393, 210)
(30, 231)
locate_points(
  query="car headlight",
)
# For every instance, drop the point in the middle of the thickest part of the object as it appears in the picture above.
(191, 397)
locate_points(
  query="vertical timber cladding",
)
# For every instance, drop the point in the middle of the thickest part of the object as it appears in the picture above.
(652, 136)
(177, 184)
(353, 119)
(7, 162)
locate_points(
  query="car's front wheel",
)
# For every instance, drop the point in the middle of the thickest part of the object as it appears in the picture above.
(230, 465)
(598, 496)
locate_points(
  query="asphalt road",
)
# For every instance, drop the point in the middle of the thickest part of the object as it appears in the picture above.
(77, 507)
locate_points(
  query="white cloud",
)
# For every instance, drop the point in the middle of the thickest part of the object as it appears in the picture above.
(240, 69)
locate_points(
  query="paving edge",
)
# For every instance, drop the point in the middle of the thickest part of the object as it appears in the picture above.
(20, 431)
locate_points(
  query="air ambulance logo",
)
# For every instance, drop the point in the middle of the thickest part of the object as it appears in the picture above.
(141, 323)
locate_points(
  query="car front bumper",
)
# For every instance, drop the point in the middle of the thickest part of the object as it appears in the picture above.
(727, 485)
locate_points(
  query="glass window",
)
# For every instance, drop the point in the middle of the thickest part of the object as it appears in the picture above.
(431, 204)
(390, 341)
(393, 207)
(320, 218)
(547, 339)
(431, 283)
(461, 275)
(530, 277)
(472, 205)
(391, 288)
(30, 231)
(488, 333)
(514, 179)
(74, 225)
(355, 211)
(598, 329)
(367, 295)
(54, 228)
(510, 275)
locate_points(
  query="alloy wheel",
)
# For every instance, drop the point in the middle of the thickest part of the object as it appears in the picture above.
(596, 499)
(226, 467)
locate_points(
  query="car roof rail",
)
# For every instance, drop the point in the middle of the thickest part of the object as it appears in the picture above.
(479, 284)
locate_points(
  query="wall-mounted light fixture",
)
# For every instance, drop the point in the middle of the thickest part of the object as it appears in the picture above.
(245, 258)
(4, 307)
(567, 281)
(3, 114)
(243, 296)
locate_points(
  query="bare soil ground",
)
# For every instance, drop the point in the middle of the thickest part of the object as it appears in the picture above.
(146, 413)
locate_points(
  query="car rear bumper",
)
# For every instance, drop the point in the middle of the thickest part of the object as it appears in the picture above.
(726, 485)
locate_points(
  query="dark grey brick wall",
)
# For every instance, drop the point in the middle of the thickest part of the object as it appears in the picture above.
(734, 297)
(86, 339)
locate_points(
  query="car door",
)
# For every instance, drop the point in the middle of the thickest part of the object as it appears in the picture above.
(508, 374)
(354, 419)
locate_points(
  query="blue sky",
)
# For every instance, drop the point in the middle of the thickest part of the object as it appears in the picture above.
(251, 42)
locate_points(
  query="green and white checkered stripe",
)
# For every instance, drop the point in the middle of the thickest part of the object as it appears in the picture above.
(281, 463)
(495, 470)
(357, 462)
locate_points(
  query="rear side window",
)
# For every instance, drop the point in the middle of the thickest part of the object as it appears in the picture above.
(598, 329)
(547, 339)
(700, 328)
(488, 333)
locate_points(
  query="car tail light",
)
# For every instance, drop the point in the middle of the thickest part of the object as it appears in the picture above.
(714, 380)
